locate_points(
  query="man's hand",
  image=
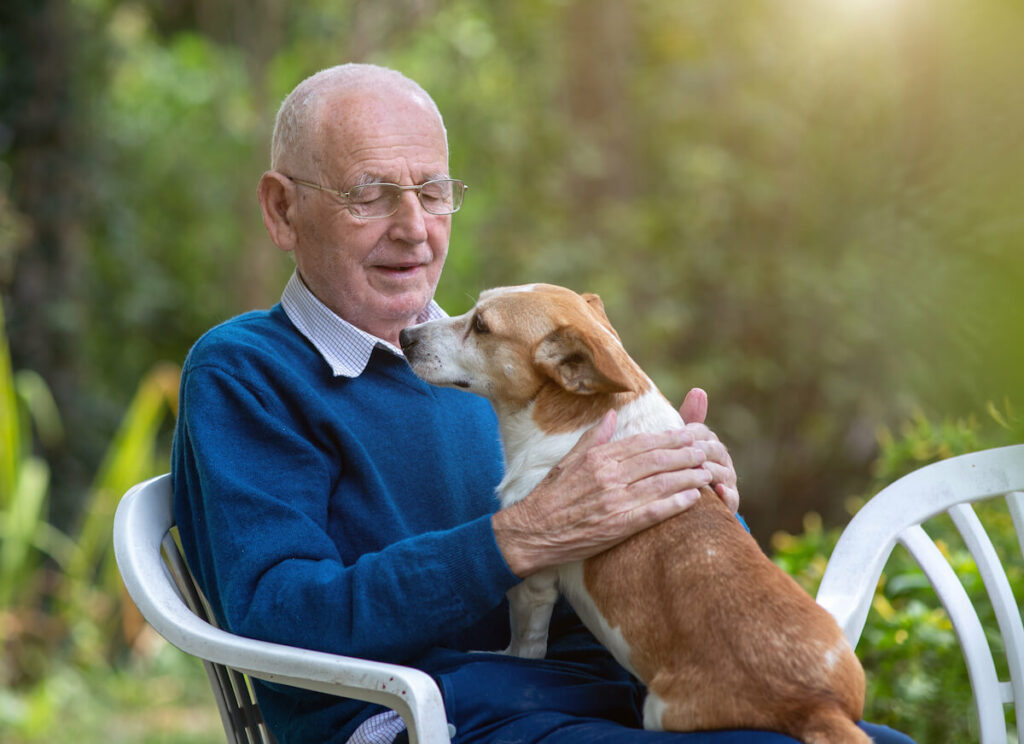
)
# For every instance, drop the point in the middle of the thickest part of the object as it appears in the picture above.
(601, 493)
(694, 410)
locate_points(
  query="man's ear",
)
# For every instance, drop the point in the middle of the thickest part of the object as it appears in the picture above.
(277, 196)
(579, 364)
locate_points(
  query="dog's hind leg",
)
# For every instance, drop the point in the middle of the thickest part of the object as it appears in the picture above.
(530, 604)
(654, 707)
(832, 727)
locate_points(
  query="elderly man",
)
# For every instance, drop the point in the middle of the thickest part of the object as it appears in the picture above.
(327, 498)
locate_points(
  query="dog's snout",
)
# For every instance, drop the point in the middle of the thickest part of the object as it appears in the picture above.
(407, 339)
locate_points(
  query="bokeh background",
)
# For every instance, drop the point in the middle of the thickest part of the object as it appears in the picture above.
(810, 208)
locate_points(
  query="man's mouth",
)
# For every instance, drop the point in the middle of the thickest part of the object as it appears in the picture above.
(400, 268)
(402, 273)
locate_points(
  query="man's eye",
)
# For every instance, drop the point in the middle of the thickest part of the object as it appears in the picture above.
(369, 193)
(479, 326)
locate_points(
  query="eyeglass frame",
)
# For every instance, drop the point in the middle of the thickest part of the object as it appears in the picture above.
(418, 188)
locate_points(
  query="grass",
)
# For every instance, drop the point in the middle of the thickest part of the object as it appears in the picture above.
(156, 696)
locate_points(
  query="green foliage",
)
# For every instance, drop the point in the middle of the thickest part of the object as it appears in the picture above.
(132, 457)
(25, 534)
(61, 598)
(921, 441)
(917, 681)
(160, 697)
(92, 603)
(169, 225)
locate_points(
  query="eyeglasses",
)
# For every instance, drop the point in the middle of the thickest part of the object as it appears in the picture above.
(374, 201)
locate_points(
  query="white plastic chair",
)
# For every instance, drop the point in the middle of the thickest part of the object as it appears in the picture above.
(894, 516)
(159, 582)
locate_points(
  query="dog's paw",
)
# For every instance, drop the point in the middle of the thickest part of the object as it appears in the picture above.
(491, 651)
(522, 652)
(527, 649)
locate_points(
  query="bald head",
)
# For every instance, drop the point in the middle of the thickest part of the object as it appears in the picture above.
(299, 129)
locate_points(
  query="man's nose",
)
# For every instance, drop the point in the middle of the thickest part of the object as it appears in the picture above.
(409, 222)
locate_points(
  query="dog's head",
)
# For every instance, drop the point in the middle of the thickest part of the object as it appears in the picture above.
(518, 341)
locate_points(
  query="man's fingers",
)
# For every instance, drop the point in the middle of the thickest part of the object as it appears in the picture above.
(716, 452)
(729, 496)
(659, 485)
(720, 473)
(701, 432)
(640, 444)
(695, 407)
(657, 511)
(681, 462)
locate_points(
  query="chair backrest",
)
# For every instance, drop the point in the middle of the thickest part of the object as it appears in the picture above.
(232, 690)
(894, 516)
(236, 701)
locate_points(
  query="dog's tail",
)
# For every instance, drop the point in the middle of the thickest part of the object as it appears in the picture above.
(832, 726)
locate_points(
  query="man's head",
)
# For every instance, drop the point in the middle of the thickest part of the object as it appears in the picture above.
(341, 128)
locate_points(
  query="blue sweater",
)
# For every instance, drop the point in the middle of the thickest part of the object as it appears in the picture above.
(347, 515)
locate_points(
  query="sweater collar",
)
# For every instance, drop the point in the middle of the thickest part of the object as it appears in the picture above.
(345, 348)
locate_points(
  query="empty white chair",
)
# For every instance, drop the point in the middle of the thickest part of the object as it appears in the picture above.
(894, 516)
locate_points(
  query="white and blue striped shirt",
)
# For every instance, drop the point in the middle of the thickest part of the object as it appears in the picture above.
(344, 347)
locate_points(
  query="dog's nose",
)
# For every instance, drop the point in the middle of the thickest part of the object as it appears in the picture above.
(406, 339)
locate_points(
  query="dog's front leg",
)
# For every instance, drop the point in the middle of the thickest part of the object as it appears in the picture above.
(530, 605)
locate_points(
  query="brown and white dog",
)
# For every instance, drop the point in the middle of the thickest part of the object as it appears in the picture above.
(720, 635)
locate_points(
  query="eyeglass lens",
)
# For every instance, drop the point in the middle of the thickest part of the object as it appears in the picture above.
(381, 199)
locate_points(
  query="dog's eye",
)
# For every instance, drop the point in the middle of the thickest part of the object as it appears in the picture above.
(479, 326)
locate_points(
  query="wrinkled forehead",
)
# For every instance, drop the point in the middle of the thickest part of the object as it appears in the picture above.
(381, 133)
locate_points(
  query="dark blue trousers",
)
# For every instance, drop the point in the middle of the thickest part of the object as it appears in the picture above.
(499, 700)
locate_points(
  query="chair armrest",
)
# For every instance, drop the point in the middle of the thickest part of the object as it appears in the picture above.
(410, 692)
(139, 527)
(848, 586)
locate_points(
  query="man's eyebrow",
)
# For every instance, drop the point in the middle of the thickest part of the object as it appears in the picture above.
(365, 178)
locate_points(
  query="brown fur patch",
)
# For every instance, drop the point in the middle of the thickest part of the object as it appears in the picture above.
(696, 594)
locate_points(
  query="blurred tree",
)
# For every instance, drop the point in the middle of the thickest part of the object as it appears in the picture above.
(43, 177)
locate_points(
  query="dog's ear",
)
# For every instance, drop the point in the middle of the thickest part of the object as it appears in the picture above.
(580, 365)
(597, 308)
(595, 303)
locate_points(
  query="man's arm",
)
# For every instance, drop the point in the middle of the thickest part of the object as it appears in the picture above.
(254, 497)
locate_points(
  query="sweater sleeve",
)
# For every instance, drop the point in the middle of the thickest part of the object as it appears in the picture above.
(252, 500)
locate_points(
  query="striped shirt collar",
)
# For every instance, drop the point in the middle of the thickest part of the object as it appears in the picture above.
(345, 348)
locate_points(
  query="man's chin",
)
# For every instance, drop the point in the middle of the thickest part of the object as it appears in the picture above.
(404, 309)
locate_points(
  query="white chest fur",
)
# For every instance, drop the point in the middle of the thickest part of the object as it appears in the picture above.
(529, 456)
(531, 453)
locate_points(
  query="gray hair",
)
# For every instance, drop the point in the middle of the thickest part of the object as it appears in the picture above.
(298, 127)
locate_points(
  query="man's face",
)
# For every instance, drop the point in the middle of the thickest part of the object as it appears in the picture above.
(376, 274)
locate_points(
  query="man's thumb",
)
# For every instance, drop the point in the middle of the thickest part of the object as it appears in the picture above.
(695, 407)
